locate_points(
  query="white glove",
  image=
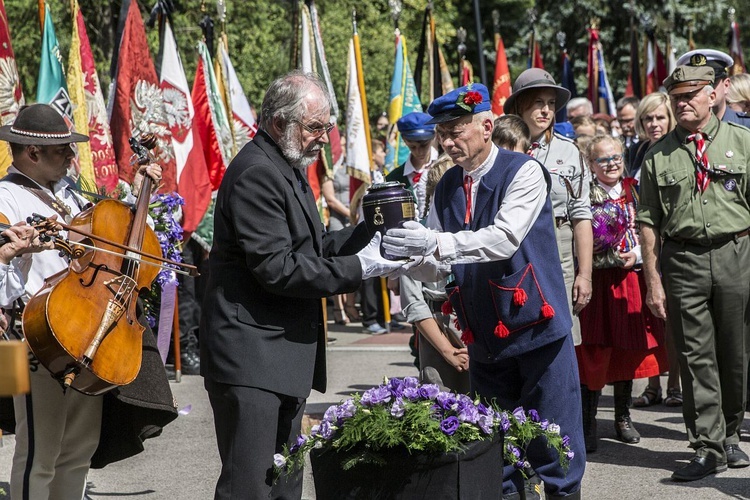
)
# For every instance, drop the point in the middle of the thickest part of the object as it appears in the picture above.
(410, 240)
(373, 264)
(427, 270)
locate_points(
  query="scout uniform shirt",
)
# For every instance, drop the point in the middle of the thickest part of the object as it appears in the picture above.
(570, 176)
(670, 200)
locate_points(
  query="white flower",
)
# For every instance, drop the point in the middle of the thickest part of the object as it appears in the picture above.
(279, 460)
(554, 428)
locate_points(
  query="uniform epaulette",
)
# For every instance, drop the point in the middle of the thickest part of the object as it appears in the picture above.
(744, 127)
(566, 139)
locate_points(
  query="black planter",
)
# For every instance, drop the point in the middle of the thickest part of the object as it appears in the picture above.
(474, 474)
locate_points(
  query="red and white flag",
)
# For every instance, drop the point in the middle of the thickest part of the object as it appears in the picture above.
(138, 103)
(735, 50)
(211, 122)
(193, 183)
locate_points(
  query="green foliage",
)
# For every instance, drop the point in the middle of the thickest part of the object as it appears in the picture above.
(259, 35)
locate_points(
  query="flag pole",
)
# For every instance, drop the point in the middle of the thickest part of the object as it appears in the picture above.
(480, 43)
(368, 140)
(41, 15)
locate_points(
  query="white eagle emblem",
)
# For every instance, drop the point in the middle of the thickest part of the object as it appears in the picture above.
(147, 115)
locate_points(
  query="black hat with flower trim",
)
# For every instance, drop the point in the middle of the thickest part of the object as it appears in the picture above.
(535, 78)
(39, 125)
(468, 100)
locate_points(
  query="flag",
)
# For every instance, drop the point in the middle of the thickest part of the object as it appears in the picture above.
(735, 49)
(535, 55)
(358, 160)
(440, 77)
(467, 72)
(11, 93)
(634, 76)
(404, 100)
(96, 157)
(568, 82)
(656, 69)
(671, 59)
(599, 92)
(501, 84)
(211, 122)
(193, 183)
(243, 120)
(137, 103)
(52, 88)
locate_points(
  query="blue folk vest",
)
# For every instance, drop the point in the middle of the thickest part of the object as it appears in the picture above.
(510, 306)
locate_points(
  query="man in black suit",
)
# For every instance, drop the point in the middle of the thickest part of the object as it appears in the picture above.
(262, 337)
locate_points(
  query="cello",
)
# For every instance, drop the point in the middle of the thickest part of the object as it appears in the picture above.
(82, 325)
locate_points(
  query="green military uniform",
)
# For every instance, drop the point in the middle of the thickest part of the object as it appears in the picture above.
(705, 265)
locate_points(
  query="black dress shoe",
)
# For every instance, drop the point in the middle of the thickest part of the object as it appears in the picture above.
(698, 468)
(736, 458)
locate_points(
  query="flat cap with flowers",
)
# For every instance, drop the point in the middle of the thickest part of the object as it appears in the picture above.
(468, 100)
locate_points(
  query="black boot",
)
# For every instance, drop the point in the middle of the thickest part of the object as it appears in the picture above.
(589, 405)
(624, 428)
(189, 355)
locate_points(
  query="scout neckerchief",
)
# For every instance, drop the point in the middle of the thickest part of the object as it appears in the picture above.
(702, 165)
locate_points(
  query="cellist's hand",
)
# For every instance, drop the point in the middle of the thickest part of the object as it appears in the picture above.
(21, 239)
(153, 170)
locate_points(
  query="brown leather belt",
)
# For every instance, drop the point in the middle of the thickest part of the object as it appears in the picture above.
(710, 242)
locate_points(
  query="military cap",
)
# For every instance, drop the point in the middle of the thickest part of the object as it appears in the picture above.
(416, 127)
(536, 78)
(40, 125)
(716, 59)
(468, 100)
(686, 79)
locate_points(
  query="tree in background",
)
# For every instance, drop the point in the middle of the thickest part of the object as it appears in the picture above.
(259, 33)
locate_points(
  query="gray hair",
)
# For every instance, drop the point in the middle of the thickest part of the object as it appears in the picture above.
(577, 102)
(285, 97)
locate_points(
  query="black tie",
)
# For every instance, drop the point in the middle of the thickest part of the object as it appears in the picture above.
(301, 181)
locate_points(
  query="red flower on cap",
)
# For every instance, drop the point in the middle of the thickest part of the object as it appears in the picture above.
(469, 99)
(473, 97)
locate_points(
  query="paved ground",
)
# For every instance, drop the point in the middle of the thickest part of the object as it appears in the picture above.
(183, 463)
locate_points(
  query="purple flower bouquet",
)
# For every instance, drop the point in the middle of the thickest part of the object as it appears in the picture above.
(405, 421)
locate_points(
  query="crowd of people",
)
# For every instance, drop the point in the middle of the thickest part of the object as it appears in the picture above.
(649, 209)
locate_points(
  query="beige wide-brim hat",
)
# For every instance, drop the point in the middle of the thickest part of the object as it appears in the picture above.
(40, 125)
(536, 78)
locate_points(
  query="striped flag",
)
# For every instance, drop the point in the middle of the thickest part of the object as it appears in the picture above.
(358, 159)
(96, 157)
(600, 92)
(404, 100)
(193, 183)
(211, 121)
(11, 93)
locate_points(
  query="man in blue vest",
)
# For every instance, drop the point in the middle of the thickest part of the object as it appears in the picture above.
(418, 135)
(492, 222)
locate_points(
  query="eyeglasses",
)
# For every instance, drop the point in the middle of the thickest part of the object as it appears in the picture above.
(316, 131)
(605, 160)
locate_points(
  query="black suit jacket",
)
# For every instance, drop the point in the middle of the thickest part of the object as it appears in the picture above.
(270, 264)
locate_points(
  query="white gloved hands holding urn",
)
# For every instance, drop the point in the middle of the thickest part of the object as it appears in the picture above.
(373, 264)
(412, 239)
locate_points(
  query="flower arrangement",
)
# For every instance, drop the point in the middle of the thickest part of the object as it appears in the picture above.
(164, 210)
(421, 419)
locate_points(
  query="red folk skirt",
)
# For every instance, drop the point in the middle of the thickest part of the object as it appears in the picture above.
(622, 340)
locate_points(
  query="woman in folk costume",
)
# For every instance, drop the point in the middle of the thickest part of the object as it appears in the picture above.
(622, 340)
(536, 98)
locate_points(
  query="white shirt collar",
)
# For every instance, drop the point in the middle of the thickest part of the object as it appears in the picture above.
(409, 167)
(614, 192)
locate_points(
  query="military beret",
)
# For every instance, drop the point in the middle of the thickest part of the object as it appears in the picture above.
(686, 79)
(416, 127)
(716, 59)
(468, 100)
